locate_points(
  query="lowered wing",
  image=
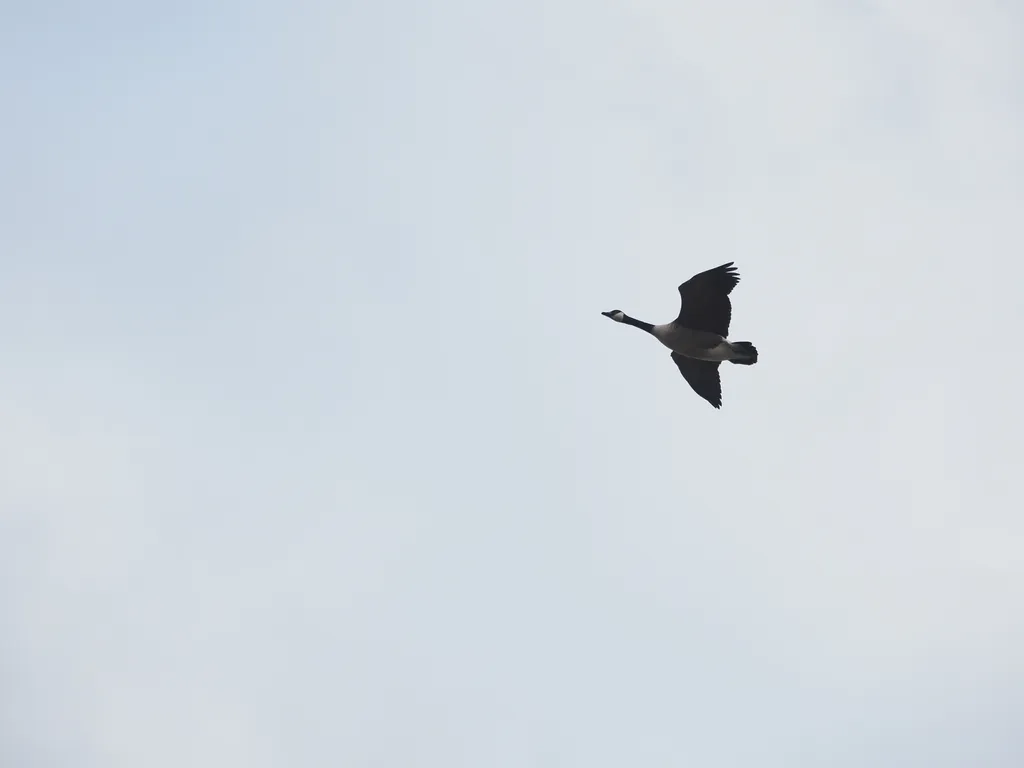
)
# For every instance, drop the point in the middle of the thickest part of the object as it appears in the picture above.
(702, 376)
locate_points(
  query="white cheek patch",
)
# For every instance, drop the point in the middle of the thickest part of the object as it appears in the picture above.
(617, 317)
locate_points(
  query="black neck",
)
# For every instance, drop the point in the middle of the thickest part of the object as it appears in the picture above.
(638, 323)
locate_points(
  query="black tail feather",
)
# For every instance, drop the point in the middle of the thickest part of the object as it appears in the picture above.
(748, 350)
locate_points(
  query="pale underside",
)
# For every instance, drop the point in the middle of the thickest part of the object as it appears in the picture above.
(699, 345)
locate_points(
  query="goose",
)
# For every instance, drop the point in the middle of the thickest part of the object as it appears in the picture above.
(698, 337)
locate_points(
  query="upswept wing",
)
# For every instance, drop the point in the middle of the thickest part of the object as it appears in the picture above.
(705, 304)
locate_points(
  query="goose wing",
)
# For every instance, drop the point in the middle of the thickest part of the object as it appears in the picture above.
(702, 376)
(705, 304)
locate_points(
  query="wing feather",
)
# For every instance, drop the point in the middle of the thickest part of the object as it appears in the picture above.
(704, 300)
(702, 376)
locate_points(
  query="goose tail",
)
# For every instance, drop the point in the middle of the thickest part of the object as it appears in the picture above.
(746, 353)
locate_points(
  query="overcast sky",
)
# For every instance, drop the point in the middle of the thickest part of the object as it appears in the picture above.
(316, 451)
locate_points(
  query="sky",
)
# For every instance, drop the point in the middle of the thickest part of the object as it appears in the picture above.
(315, 449)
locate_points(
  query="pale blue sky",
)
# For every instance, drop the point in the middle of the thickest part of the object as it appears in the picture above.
(316, 451)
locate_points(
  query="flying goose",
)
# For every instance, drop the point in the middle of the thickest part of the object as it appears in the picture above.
(697, 337)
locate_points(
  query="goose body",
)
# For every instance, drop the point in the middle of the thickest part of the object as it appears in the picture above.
(698, 337)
